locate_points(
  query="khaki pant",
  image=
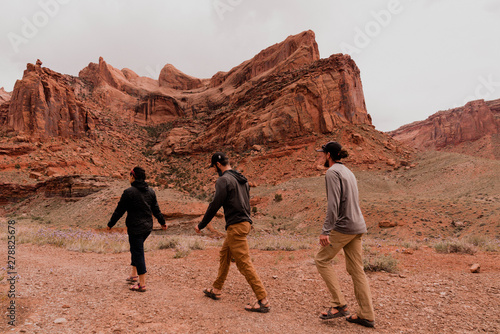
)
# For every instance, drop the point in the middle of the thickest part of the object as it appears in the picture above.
(235, 245)
(354, 265)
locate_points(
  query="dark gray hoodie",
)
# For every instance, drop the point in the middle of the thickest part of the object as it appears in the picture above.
(232, 192)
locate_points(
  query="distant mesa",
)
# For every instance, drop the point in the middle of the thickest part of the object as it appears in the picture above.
(473, 129)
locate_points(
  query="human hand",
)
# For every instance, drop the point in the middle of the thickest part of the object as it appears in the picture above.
(197, 229)
(164, 227)
(109, 228)
(324, 240)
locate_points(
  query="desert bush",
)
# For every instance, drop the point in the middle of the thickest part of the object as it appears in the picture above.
(278, 197)
(181, 252)
(484, 243)
(380, 262)
(410, 245)
(196, 245)
(454, 246)
(168, 243)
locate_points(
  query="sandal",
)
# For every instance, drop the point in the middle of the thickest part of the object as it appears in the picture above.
(360, 321)
(261, 309)
(341, 312)
(132, 279)
(138, 287)
(210, 293)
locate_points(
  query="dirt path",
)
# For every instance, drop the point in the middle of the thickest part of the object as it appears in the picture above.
(435, 294)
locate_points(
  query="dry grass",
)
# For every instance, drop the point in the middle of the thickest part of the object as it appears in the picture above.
(281, 242)
(100, 242)
(484, 243)
(455, 246)
(380, 262)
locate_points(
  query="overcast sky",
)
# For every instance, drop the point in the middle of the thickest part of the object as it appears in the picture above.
(416, 56)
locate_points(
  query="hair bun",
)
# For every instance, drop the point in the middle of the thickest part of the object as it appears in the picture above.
(343, 154)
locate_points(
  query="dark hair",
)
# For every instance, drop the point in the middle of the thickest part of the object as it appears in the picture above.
(340, 155)
(138, 173)
(219, 157)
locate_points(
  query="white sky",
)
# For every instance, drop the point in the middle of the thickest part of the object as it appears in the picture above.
(416, 56)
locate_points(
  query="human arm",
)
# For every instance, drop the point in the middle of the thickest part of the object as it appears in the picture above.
(214, 206)
(121, 208)
(333, 194)
(155, 208)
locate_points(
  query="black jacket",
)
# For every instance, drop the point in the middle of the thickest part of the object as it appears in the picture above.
(139, 201)
(233, 193)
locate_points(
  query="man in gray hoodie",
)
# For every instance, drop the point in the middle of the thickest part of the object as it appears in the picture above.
(232, 192)
(343, 228)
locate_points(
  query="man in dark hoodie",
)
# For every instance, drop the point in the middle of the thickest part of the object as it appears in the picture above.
(232, 192)
(139, 201)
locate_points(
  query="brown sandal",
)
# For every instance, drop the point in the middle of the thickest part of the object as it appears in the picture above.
(210, 293)
(341, 312)
(361, 321)
(261, 309)
(138, 287)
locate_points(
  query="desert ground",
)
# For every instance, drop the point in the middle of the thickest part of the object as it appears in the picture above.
(71, 274)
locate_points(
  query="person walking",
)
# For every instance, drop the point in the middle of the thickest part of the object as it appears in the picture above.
(232, 192)
(343, 228)
(139, 201)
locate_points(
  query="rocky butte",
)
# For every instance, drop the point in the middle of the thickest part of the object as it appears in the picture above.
(473, 129)
(280, 104)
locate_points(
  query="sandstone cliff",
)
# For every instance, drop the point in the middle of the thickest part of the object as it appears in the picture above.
(44, 104)
(4, 96)
(454, 129)
(274, 108)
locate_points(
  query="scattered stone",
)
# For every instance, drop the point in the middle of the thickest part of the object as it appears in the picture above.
(66, 306)
(60, 321)
(35, 175)
(257, 148)
(386, 224)
(391, 162)
(475, 268)
(96, 161)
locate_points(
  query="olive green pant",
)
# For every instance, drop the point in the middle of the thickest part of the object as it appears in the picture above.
(354, 265)
(236, 246)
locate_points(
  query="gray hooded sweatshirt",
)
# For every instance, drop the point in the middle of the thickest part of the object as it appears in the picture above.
(232, 192)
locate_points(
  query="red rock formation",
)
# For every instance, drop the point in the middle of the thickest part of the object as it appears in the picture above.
(43, 104)
(317, 98)
(285, 94)
(4, 96)
(447, 129)
(171, 77)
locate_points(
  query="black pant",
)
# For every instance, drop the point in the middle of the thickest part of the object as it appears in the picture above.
(137, 251)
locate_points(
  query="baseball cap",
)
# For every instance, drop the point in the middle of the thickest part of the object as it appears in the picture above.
(331, 147)
(217, 157)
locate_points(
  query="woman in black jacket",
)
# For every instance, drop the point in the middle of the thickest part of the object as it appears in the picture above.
(139, 201)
